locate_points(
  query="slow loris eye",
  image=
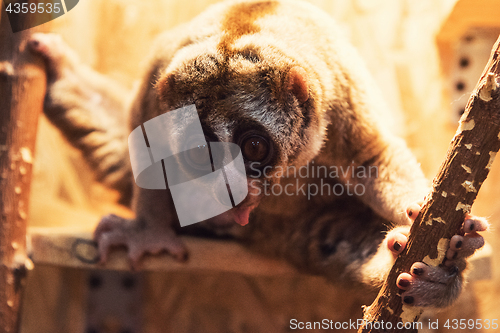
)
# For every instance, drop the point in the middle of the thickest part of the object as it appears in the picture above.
(255, 148)
(200, 155)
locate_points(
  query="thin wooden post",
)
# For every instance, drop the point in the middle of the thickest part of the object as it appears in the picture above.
(22, 90)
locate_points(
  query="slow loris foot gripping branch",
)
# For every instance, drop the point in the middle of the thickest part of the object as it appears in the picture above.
(279, 80)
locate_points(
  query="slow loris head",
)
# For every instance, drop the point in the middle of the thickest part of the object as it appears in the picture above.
(249, 92)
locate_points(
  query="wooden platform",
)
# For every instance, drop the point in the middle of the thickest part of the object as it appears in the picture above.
(73, 247)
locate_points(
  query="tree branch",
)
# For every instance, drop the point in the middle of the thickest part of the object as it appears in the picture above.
(22, 91)
(467, 164)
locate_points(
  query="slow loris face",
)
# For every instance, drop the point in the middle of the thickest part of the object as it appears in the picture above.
(249, 92)
(246, 99)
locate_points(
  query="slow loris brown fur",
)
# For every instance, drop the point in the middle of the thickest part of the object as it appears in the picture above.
(278, 75)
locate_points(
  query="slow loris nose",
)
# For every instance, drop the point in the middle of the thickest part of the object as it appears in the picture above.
(227, 157)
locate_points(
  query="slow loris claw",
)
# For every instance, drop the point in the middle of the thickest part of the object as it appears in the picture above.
(53, 49)
(439, 286)
(115, 231)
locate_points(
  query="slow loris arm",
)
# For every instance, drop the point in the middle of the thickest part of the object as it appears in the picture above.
(388, 176)
(90, 110)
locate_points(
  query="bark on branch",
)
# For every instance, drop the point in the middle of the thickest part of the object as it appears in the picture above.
(468, 161)
(22, 90)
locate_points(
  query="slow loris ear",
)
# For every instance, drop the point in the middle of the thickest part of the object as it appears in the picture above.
(163, 86)
(297, 83)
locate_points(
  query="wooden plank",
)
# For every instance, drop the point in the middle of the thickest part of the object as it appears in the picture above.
(73, 247)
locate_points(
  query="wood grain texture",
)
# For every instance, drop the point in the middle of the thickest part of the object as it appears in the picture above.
(73, 247)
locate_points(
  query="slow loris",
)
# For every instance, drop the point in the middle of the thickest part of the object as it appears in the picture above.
(279, 80)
